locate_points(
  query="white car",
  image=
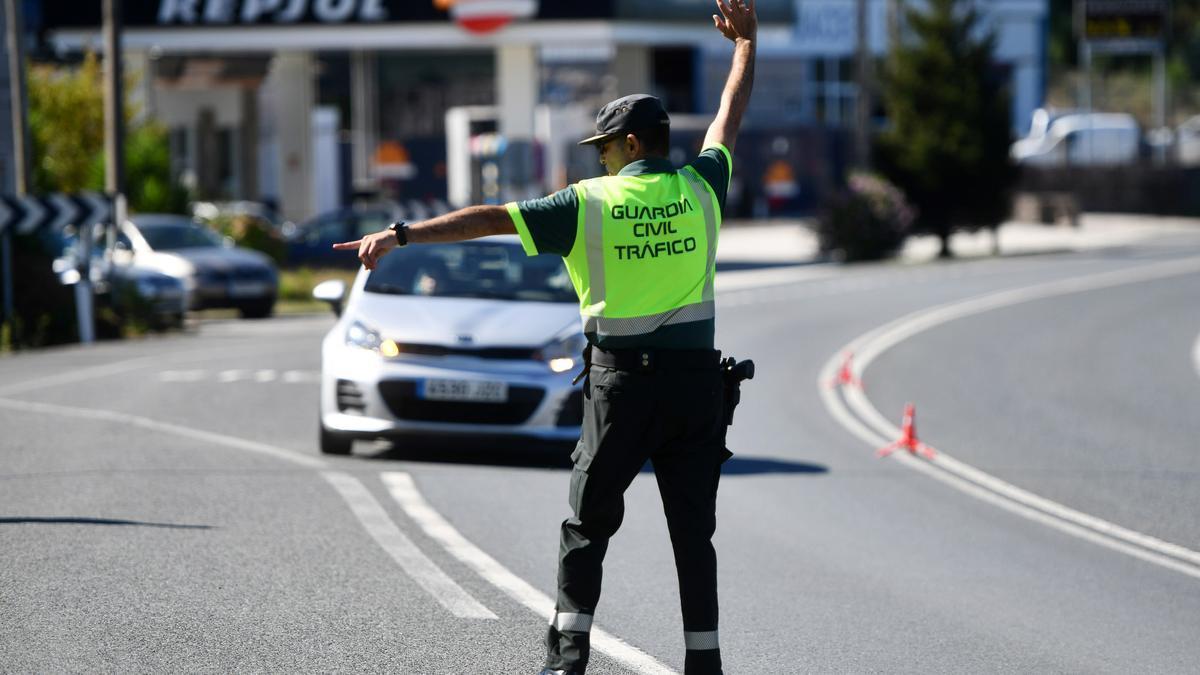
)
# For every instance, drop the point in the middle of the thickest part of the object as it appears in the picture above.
(1081, 139)
(465, 338)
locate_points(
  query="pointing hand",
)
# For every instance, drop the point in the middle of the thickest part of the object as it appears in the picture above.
(371, 247)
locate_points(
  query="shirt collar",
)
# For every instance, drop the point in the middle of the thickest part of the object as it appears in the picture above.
(647, 165)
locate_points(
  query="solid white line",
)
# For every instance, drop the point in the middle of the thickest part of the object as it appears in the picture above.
(1196, 355)
(404, 491)
(966, 478)
(164, 427)
(406, 554)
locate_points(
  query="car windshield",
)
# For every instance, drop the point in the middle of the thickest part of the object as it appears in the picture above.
(171, 236)
(482, 269)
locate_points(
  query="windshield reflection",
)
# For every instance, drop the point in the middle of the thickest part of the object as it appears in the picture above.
(492, 270)
(172, 237)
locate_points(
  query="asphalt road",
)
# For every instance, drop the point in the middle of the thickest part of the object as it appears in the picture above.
(194, 527)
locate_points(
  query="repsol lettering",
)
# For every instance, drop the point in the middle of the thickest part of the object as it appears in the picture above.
(653, 229)
(218, 12)
(635, 211)
(655, 249)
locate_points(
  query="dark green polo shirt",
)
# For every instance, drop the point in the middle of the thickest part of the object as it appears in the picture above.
(551, 223)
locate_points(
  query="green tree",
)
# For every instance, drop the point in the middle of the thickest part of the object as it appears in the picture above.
(66, 120)
(66, 123)
(947, 146)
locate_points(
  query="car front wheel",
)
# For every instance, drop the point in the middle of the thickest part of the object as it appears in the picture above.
(333, 443)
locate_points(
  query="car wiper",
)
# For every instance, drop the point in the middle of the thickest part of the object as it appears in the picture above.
(488, 295)
(390, 289)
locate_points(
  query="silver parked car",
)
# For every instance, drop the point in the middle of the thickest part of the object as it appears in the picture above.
(465, 338)
(214, 271)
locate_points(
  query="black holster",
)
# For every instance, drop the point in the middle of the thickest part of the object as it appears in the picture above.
(733, 372)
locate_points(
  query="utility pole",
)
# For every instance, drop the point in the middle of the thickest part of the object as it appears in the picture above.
(14, 25)
(862, 108)
(114, 148)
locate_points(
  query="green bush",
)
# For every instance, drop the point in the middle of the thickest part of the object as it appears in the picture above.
(868, 220)
(298, 284)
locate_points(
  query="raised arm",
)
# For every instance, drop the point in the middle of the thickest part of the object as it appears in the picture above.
(738, 22)
(469, 223)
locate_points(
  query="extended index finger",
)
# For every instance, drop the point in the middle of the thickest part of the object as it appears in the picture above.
(347, 245)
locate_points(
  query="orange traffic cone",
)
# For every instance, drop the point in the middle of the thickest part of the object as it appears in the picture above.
(908, 437)
(845, 375)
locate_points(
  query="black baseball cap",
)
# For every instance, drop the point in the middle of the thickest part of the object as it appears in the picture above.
(636, 112)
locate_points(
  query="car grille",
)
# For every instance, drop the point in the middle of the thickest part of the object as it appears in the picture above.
(571, 412)
(511, 353)
(400, 396)
(349, 397)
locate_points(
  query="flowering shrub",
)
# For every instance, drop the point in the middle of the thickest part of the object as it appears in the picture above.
(868, 220)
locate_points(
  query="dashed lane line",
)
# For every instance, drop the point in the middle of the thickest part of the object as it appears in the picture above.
(406, 554)
(164, 427)
(404, 491)
(386, 533)
(368, 511)
(858, 415)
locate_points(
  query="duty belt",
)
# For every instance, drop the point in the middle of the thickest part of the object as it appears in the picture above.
(650, 360)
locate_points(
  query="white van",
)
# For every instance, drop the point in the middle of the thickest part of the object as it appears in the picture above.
(1082, 139)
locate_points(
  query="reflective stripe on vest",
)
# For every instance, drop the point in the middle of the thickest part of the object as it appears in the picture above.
(599, 315)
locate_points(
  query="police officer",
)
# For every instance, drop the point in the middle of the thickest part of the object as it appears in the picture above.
(640, 247)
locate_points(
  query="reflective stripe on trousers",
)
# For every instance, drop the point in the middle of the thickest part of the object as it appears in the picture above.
(699, 640)
(572, 621)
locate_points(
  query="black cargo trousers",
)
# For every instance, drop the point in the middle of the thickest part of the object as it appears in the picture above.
(673, 416)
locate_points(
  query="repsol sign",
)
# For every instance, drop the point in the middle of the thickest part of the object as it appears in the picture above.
(226, 12)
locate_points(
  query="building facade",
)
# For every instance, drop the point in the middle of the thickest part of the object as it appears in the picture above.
(307, 102)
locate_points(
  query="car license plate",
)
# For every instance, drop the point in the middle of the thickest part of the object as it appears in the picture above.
(246, 289)
(465, 390)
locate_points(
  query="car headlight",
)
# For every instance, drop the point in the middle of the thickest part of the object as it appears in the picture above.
(360, 335)
(563, 354)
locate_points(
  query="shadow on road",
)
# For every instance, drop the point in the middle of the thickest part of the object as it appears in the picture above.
(97, 521)
(545, 455)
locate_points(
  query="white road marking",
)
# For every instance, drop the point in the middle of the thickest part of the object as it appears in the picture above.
(374, 519)
(262, 375)
(165, 427)
(294, 376)
(231, 375)
(406, 554)
(93, 372)
(878, 430)
(405, 492)
(1196, 355)
(181, 375)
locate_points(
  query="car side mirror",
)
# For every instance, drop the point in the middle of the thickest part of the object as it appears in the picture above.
(331, 291)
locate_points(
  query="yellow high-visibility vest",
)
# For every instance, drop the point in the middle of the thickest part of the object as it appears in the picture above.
(645, 251)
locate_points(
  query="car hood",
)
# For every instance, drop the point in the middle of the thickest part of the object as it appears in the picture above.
(186, 261)
(221, 258)
(447, 321)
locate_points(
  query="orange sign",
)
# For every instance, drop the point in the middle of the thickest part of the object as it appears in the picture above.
(391, 161)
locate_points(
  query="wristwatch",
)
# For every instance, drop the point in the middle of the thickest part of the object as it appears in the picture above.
(401, 230)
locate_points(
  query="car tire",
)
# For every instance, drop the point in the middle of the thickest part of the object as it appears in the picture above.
(333, 443)
(259, 309)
